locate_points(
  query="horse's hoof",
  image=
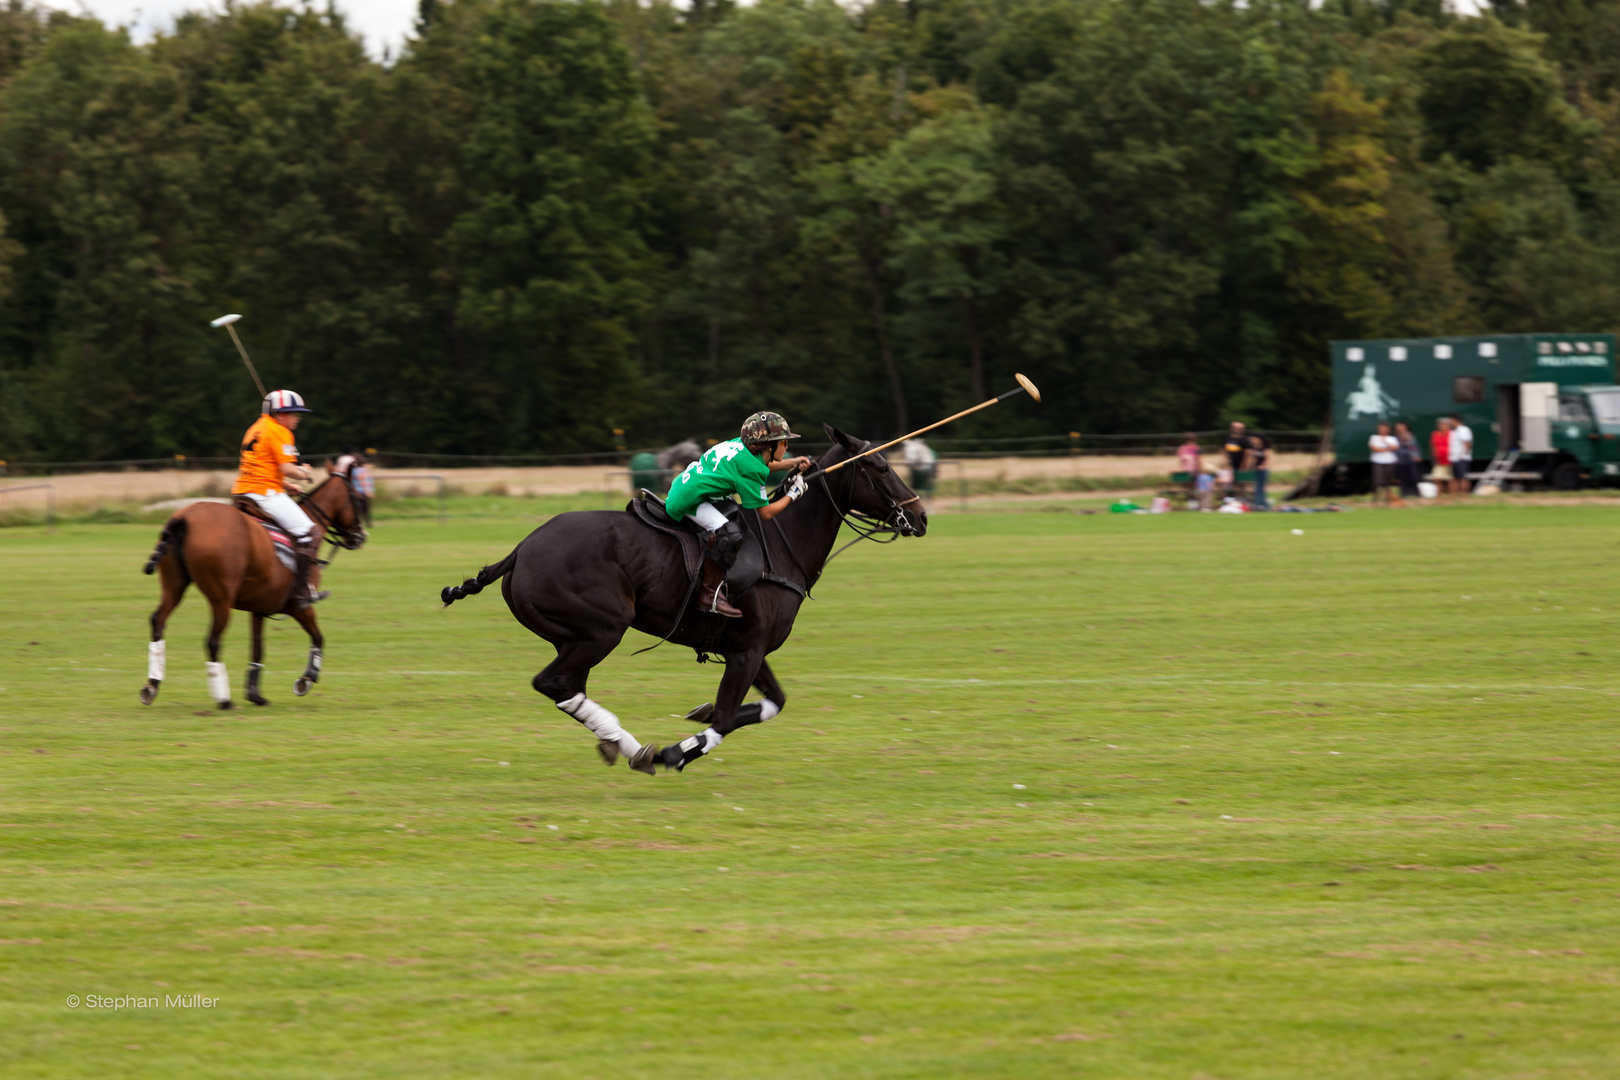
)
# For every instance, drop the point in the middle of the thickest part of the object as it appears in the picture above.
(701, 714)
(148, 694)
(227, 705)
(258, 699)
(608, 751)
(646, 760)
(301, 687)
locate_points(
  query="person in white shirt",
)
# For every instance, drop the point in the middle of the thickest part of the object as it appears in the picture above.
(1462, 449)
(1383, 446)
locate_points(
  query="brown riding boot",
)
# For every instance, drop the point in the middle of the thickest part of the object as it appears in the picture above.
(711, 593)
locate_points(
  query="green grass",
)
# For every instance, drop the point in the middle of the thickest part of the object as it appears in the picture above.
(1332, 805)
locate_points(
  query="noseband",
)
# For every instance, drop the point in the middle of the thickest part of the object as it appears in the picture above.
(348, 539)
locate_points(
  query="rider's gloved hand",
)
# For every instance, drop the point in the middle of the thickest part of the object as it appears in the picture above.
(797, 487)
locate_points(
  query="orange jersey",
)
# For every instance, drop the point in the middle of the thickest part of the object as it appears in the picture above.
(265, 448)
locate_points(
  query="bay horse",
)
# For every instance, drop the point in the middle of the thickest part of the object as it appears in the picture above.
(582, 579)
(232, 560)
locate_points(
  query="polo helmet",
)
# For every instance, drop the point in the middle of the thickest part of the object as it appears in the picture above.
(764, 428)
(279, 401)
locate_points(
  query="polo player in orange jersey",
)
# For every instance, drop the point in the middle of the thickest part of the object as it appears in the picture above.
(269, 460)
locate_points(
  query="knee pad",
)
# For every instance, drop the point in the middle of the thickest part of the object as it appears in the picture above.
(728, 539)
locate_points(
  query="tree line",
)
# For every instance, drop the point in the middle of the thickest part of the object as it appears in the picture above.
(547, 220)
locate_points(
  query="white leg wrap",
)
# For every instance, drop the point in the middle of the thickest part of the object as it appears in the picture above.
(601, 723)
(767, 709)
(157, 660)
(219, 684)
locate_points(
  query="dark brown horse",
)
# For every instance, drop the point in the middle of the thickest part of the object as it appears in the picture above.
(233, 561)
(582, 579)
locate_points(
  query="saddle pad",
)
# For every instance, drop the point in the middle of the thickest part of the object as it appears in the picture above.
(283, 545)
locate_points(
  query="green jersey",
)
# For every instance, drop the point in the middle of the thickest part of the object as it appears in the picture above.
(725, 469)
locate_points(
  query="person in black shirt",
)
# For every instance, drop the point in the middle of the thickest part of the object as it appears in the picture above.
(1260, 462)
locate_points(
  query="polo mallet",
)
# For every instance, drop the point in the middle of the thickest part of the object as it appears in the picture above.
(1024, 387)
(227, 320)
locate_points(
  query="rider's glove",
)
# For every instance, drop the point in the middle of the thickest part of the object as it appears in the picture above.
(796, 487)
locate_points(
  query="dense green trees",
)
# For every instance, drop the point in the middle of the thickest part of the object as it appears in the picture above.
(548, 219)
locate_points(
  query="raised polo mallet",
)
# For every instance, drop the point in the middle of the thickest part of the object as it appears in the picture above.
(1024, 387)
(227, 320)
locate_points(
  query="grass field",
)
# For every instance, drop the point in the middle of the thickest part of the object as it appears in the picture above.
(1184, 796)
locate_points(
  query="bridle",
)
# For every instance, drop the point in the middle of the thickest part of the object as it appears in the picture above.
(347, 539)
(897, 523)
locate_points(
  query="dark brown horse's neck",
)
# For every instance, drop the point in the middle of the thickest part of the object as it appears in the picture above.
(811, 527)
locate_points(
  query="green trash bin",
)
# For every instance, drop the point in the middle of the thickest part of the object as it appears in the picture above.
(644, 472)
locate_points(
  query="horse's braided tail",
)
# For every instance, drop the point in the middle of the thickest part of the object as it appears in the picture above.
(172, 536)
(475, 585)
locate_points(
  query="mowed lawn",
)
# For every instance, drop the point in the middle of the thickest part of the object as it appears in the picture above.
(1053, 795)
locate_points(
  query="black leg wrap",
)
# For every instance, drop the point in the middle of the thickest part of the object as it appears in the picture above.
(255, 671)
(679, 755)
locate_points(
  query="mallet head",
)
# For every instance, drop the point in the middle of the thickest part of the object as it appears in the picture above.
(226, 320)
(1028, 386)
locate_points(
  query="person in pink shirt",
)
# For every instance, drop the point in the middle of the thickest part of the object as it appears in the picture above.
(1187, 454)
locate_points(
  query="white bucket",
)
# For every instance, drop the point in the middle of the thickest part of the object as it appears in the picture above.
(1428, 489)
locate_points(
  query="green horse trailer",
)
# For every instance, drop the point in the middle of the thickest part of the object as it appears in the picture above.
(1544, 408)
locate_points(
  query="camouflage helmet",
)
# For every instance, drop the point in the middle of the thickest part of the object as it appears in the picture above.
(765, 427)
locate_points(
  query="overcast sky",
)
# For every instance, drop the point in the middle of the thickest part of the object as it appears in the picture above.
(380, 22)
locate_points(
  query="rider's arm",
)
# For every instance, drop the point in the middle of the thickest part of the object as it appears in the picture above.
(800, 463)
(291, 470)
(768, 512)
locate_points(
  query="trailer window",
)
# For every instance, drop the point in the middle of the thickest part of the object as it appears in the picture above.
(1468, 389)
(1607, 407)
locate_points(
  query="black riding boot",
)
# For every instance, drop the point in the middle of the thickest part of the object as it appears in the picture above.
(303, 593)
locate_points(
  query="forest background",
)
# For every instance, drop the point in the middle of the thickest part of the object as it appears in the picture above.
(545, 220)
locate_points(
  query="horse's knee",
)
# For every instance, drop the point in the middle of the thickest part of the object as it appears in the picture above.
(551, 686)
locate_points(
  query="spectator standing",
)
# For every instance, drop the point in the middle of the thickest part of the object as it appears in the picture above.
(1236, 445)
(1188, 456)
(1383, 447)
(1260, 462)
(1462, 453)
(1407, 457)
(1440, 453)
(921, 460)
(1204, 486)
(359, 471)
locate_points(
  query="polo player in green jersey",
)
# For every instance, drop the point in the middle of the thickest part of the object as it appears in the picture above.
(739, 467)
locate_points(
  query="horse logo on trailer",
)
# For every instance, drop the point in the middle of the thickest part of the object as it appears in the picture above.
(1369, 399)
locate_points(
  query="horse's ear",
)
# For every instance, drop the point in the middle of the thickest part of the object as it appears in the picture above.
(848, 442)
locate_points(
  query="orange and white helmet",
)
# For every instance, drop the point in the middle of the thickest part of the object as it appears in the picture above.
(278, 401)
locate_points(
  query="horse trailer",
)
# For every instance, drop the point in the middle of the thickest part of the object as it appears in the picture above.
(1544, 408)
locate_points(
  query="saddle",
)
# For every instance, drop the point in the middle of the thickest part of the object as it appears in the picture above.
(280, 542)
(744, 574)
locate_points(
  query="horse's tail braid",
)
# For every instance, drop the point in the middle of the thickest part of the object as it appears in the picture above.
(475, 585)
(174, 531)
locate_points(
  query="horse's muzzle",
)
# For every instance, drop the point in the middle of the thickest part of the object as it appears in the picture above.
(911, 522)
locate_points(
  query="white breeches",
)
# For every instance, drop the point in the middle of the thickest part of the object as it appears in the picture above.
(707, 515)
(286, 512)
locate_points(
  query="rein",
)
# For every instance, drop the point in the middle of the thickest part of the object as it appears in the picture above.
(329, 527)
